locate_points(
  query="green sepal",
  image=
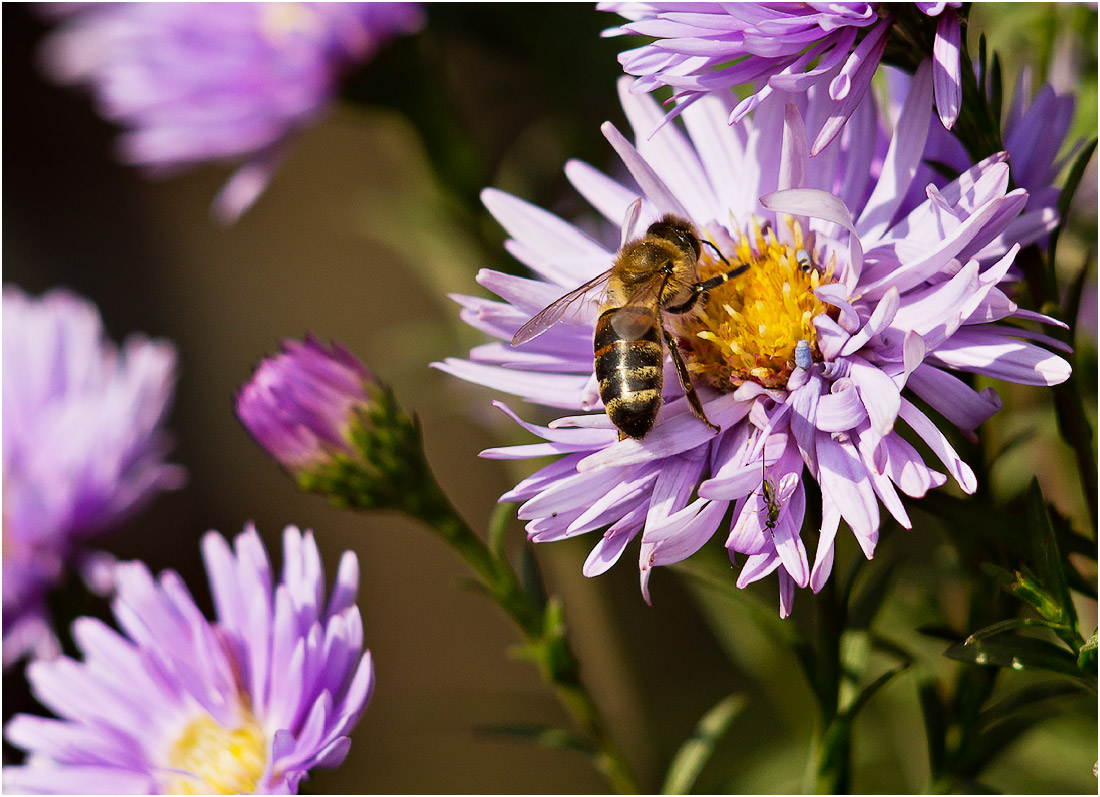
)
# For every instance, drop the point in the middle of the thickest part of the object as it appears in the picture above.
(386, 467)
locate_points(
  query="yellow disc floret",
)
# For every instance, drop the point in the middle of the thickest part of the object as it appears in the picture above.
(750, 326)
(212, 759)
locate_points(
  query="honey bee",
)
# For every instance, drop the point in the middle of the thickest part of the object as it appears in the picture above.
(651, 275)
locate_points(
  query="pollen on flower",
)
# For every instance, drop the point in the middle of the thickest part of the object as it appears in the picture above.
(750, 326)
(209, 758)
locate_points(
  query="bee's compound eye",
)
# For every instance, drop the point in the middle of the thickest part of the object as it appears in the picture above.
(678, 231)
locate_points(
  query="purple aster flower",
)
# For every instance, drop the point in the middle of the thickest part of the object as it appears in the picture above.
(300, 404)
(83, 447)
(176, 704)
(852, 306)
(1034, 134)
(226, 82)
(704, 47)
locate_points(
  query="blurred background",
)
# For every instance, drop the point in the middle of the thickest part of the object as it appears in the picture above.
(371, 221)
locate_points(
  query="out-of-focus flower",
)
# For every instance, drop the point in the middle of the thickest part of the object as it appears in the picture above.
(176, 704)
(704, 47)
(83, 446)
(300, 405)
(1034, 134)
(886, 301)
(227, 82)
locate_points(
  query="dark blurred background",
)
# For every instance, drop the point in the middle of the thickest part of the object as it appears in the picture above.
(370, 222)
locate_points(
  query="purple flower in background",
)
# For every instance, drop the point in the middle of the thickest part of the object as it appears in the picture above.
(853, 303)
(228, 82)
(1034, 134)
(176, 704)
(704, 47)
(83, 446)
(299, 405)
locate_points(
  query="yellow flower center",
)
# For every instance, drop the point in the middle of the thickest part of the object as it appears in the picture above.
(212, 759)
(751, 325)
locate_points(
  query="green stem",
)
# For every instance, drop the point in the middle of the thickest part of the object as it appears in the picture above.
(831, 752)
(553, 653)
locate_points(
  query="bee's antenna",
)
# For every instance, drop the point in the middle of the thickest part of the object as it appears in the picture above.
(718, 252)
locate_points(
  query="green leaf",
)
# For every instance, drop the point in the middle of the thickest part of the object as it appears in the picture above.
(996, 89)
(1018, 653)
(1073, 179)
(498, 528)
(1049, 559)
(698, 748)
(871, 596)
(982, 749)
(1072, 302)
(983, 61)
(1086, 658)
(531, 579)
(542, 735)
(999, 529)
(1065, 198)
(1028, 698)
(868, 691)
(891, 648)
(934, 714)
(556, 658)
(943, 632)
(1009, 625)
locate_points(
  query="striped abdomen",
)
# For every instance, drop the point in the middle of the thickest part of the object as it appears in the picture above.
(630, 374)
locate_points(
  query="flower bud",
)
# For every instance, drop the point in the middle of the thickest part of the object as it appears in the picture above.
(300, 404)
(325, 418)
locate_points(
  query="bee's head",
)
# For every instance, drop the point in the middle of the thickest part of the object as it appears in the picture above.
(678, 231)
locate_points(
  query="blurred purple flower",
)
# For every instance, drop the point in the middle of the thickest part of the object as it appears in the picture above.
(887, 300)
(232, 82)
(299, 405)
(83, 447)
(1034, 134)
(705, 47)
(176, 704)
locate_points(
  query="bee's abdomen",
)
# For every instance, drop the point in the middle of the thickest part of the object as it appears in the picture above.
(630, 375)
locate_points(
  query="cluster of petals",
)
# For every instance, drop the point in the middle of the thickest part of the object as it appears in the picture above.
(1034, 131)
(781, 47)
(299, 403)
(920, 292)
(225, 82)
(280, 673)
(83, 447)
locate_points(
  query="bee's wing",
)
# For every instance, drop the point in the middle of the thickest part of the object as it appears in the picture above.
(554, 312)
(639, 314)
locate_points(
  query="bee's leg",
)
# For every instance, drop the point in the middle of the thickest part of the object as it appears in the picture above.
(685, 382)
(700, 289)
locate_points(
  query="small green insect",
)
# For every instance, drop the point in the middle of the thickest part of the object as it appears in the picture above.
(775, 496)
